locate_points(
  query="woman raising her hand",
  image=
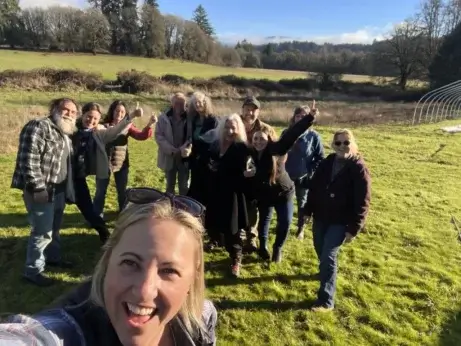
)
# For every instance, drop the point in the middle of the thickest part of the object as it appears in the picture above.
(271, 184)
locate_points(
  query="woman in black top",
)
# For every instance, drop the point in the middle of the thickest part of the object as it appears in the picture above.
(226, 212)
(271, 184)
(200, 119)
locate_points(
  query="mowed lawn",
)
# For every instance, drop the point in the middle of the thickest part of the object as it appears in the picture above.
(111, 64)
(399, 281)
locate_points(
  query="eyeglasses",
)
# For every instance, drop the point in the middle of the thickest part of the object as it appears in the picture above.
(338, 143)
(145, 195)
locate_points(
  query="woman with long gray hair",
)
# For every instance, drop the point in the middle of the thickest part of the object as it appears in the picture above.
(147, 289)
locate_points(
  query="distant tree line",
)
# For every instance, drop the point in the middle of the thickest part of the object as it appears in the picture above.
(123, 27)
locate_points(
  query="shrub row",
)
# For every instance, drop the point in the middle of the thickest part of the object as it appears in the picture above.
(133, 81)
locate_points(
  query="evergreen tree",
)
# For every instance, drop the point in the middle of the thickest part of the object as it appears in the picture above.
(201, 18)
(152, 3)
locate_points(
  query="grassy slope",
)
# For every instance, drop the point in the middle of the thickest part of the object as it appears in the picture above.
(398, 285)
(113, 64)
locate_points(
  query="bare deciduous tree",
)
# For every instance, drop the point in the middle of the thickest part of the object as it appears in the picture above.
(402, 49)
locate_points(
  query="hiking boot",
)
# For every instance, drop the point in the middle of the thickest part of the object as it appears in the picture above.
(300, 233)
(235, 270)
(211, 245)
(60, 264)
(40, 280)
(277, 255)
(264, 253)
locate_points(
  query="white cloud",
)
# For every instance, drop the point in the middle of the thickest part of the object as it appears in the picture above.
(364, 35)
(48, 3)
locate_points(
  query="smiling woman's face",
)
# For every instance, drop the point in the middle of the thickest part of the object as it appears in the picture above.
(148, 277)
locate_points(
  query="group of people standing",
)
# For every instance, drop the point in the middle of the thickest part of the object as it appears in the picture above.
(236, 166)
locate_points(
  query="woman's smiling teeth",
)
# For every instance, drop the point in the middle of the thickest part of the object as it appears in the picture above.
(140, 310)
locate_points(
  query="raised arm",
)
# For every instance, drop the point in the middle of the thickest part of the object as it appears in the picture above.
(289, 137)
(109, 134)
(145, 133)
(31, 149)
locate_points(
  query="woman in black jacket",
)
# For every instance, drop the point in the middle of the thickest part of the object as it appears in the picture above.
(226, 212)
(338, 201)
(200, 119)
(271, 184)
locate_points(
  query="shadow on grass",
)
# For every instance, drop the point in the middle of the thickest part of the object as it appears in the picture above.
(284, 279)
(268, 305)
(70, 220)
(83, 250)
(451, 331)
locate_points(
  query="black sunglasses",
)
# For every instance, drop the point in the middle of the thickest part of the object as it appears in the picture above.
(145, 195)
(338, 143)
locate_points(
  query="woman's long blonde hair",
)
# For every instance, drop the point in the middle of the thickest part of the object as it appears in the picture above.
(191, 312)
(353, 143)
(199, 96)
(241, 136)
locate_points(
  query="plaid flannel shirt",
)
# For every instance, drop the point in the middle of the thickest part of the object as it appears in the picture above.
(38, 161)
(57, 328)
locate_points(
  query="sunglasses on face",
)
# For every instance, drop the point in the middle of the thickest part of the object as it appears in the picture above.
(145, 195)
(338, 143)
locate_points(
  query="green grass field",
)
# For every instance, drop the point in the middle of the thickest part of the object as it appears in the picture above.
(109, 65)
(399, 282)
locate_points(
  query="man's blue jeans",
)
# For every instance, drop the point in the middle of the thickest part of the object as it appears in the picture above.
(327, 241)
(181, 171)
(44, 241)
(301, 199)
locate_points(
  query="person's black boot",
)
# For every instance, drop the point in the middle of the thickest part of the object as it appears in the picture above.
(277, 255)
(263, 252)
(300, 233)
(104, 234)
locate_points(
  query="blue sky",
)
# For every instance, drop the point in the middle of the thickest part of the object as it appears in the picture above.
(337, 21)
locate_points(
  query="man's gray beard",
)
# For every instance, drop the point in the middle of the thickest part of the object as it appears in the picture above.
(66, 124)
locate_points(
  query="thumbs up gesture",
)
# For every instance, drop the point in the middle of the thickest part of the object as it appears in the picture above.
(153, 119)
(138, 112)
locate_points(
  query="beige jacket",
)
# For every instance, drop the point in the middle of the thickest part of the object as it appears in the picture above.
(104, 136)
(164, 138)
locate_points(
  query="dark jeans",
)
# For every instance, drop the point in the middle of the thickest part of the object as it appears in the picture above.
(44, 241)
(327, 241)
(284, 210)
(301, 199)
(85, 205)
(121, 182)
(181, 171)
(233, 244)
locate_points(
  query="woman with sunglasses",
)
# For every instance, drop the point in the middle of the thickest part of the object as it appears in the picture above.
(338, 202)
(147, 289)
(90, 158)
(271, 184)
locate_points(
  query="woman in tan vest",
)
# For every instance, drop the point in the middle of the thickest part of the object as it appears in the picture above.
(117, 152)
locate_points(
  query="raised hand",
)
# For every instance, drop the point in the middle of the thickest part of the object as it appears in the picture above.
(138, 112)
(314, 111)
(153, 119)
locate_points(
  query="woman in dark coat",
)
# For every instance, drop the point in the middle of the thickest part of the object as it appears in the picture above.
(338, 201)
(226, 211)
(200, 119)
(271, 184)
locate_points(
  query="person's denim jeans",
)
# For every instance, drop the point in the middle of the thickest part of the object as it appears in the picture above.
(181, 172)
(44, 241)
(301, 199)
(327, 242)
(121, 182)
(284, 212)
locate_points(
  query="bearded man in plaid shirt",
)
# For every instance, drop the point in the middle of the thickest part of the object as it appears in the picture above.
(44, 173)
